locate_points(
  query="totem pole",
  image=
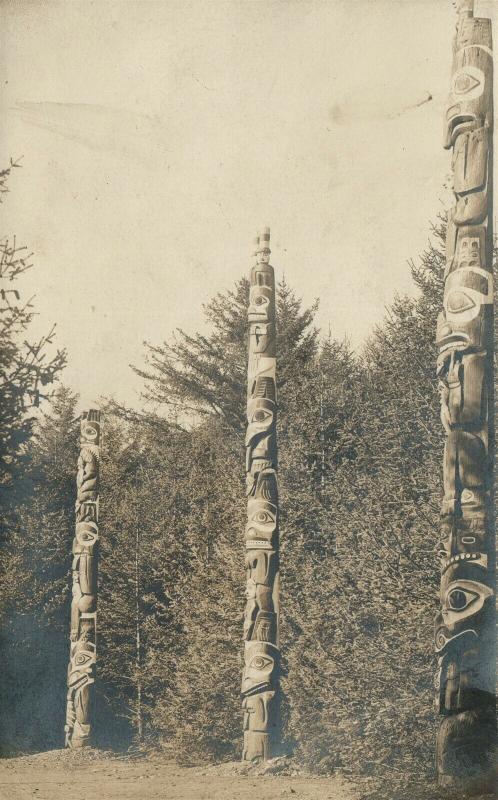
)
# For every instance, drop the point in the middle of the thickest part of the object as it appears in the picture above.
(81, 670)
(260, 680)
(465, 625)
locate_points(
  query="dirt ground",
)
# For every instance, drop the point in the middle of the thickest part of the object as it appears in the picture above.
(62, 774)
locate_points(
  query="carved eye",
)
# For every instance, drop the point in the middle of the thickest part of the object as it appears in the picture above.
(460, 599)
(458, 302)
(263, 517)
(261, 662)
(82, 659)
(261, 415)
(89, 432)
(465, 83)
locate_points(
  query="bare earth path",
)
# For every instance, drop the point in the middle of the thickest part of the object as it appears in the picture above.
(56, 774)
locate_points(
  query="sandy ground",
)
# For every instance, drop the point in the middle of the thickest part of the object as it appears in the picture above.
(61, 775)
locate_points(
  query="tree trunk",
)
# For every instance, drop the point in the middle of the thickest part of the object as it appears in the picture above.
(81, 671)
(465, 625)
(260, 680)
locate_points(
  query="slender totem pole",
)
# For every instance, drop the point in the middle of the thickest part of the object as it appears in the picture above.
(81, 670)
(465, 625)
(260, 680)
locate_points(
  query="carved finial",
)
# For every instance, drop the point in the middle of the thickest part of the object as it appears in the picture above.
(465, 8)
(264, 246)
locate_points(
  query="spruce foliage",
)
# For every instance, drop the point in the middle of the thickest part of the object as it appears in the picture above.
(360, 452)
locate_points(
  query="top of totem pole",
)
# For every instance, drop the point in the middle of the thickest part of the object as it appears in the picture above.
(263, 247)
(465, 8)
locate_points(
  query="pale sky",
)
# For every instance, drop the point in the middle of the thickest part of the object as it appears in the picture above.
(159, 136)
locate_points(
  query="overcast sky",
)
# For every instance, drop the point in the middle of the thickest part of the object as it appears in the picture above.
(159, 136)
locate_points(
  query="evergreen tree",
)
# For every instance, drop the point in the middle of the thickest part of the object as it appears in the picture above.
(35, 585)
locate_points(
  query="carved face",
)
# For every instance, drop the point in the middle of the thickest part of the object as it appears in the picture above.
(261, 520)
(87, 535)
(466, 290)
(264, 255)
(470, 93)
(84, 657)
(458, 336)
(261, 663)
(463, 599)
(260, 418)
(90, 431)
(261, 304)
(460, 543)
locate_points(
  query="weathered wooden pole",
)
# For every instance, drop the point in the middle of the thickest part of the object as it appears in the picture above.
(260, 680)
(465, 625)
(81, 670)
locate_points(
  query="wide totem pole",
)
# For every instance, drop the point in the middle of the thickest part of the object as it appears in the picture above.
(465, 625)
(260, 680)
(81, 670)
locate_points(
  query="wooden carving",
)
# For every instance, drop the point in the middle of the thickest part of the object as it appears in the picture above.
(260, 681)
(465, 625)
(81, 670)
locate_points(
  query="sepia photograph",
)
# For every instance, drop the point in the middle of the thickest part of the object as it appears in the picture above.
(247, 392)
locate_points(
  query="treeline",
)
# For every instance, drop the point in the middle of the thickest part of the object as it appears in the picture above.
(360, 452)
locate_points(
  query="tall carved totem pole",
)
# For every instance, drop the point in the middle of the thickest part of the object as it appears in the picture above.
(260, 680)
(465, 625)
(81, 670)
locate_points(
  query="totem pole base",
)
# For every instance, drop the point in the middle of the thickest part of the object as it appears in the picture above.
(465, 752)
(257, 747)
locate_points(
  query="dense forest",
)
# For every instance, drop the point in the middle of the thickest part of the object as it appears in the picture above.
(360, 452)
